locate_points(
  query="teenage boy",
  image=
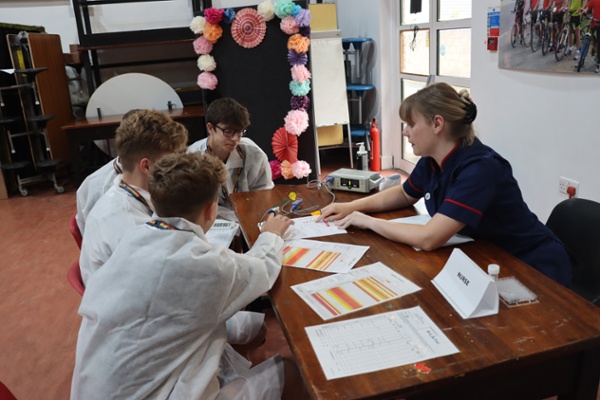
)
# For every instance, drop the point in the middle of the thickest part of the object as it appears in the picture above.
(247, 165)
(141, 139)
(154, 315)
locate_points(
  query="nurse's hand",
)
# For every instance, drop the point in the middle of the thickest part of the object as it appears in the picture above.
(277, 224)
(356, 219)
(335, 211)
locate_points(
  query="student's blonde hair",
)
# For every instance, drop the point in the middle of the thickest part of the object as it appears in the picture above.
(457, 109)
(182, 184)
(148, 133)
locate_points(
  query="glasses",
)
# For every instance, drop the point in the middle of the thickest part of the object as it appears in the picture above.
(230, 133)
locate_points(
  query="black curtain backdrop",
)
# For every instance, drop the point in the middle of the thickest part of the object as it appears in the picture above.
(259, 79)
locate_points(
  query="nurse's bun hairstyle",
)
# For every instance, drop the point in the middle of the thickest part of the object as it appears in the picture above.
(182, 184)
(457, 109)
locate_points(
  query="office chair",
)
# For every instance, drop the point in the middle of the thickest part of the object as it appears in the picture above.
(6, 394)
(576, 222)
(74, 228)
(74, 278)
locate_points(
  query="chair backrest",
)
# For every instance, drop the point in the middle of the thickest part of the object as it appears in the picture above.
(74, 278)
(74, 228)
(6, 394)
(576, 222)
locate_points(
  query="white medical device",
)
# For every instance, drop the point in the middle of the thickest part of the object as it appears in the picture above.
(354, 180)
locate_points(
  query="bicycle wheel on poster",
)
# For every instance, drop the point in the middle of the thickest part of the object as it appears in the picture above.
(514, 33)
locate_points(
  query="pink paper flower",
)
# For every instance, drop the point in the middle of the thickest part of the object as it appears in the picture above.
(301, 169)
(289, 25)
(275, 169)
(296, 122)
(202, 46)
(207, 80)
(286, 170)
(213, 15)
(300, 73)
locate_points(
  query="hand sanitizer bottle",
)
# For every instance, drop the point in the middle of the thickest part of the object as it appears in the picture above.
(363, 157)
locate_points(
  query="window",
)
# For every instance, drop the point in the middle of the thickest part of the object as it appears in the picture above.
(433, 44)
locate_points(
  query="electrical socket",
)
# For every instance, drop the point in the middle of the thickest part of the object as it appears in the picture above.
(564, 183)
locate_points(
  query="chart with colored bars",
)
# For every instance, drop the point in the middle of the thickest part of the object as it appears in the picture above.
(362, 287)
(322, 256)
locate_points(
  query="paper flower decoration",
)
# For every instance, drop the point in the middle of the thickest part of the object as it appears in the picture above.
(303, 18)
(212, 32)
(213, 15)
(202, 46)
(283, 8)
(300, 73)
(248, 28)
(305, 31)
(301, 169)
(296, 58)
(296, 122)
(206, 63)
(286, 170)
(207, 80)
(300, 88)
(197, 25)
(265, 10)
(297, 42)
(285, 145)
(300, 102)
(289, 25)
(275, 169)
(296, 10)
(228, 15)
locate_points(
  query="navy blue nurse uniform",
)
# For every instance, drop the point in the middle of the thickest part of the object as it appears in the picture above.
(475, 186)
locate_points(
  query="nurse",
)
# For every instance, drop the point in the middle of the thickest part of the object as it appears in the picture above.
(468, 188)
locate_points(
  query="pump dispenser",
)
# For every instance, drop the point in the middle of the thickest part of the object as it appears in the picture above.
(363, 157)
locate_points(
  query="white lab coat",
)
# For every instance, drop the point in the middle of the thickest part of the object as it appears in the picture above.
(114, 213)
(256, 172)
(92, 188)
(154, 318)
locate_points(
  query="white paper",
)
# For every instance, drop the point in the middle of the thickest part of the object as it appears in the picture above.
(423, 219)
(467, 288)
(307, 227)
(362, 287)
(322, 256)
(377, 342)
(222, 232)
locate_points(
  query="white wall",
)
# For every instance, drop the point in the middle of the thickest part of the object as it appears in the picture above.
(545, 124)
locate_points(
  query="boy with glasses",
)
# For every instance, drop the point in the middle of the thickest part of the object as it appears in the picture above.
(247, 165)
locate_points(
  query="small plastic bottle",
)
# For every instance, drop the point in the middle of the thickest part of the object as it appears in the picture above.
(363, 157)
(494, 271)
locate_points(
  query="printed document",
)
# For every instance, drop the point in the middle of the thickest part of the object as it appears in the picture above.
(322, 256)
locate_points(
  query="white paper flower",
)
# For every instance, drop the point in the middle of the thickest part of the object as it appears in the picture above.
(197, 25)
(266, 10)
(207, 63)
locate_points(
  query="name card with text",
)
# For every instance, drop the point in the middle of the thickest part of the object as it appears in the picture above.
(467, 287)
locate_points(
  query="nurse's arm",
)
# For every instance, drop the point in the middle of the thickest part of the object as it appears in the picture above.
(427, 237)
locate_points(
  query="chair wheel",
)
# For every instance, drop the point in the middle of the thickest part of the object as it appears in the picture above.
(59, 189)
(24, 192)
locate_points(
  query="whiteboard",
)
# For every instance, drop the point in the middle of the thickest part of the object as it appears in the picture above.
(329, 81)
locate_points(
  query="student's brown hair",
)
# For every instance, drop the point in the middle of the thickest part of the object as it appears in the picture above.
(229, 112)
(182, 184)
(148, 133)
(457, 108)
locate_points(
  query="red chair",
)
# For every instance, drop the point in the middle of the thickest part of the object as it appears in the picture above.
(74, 277)
(74, 228)
(6, 394)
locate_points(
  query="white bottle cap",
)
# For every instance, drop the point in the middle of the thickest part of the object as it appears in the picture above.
(493, 269)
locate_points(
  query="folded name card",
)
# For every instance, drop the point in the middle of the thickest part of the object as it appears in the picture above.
(467, 287)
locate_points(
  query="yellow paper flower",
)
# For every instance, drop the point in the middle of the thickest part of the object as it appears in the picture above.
(296, 42)
(212, 32)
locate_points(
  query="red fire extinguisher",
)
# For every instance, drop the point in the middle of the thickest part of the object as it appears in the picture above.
(375, 161)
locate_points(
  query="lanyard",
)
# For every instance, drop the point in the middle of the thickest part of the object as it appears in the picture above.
(117, 167)
(163, 226)
(136, 195)
(235, 178)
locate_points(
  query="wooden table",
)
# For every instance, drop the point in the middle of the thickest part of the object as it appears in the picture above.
(102, 128)
(527, 352)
